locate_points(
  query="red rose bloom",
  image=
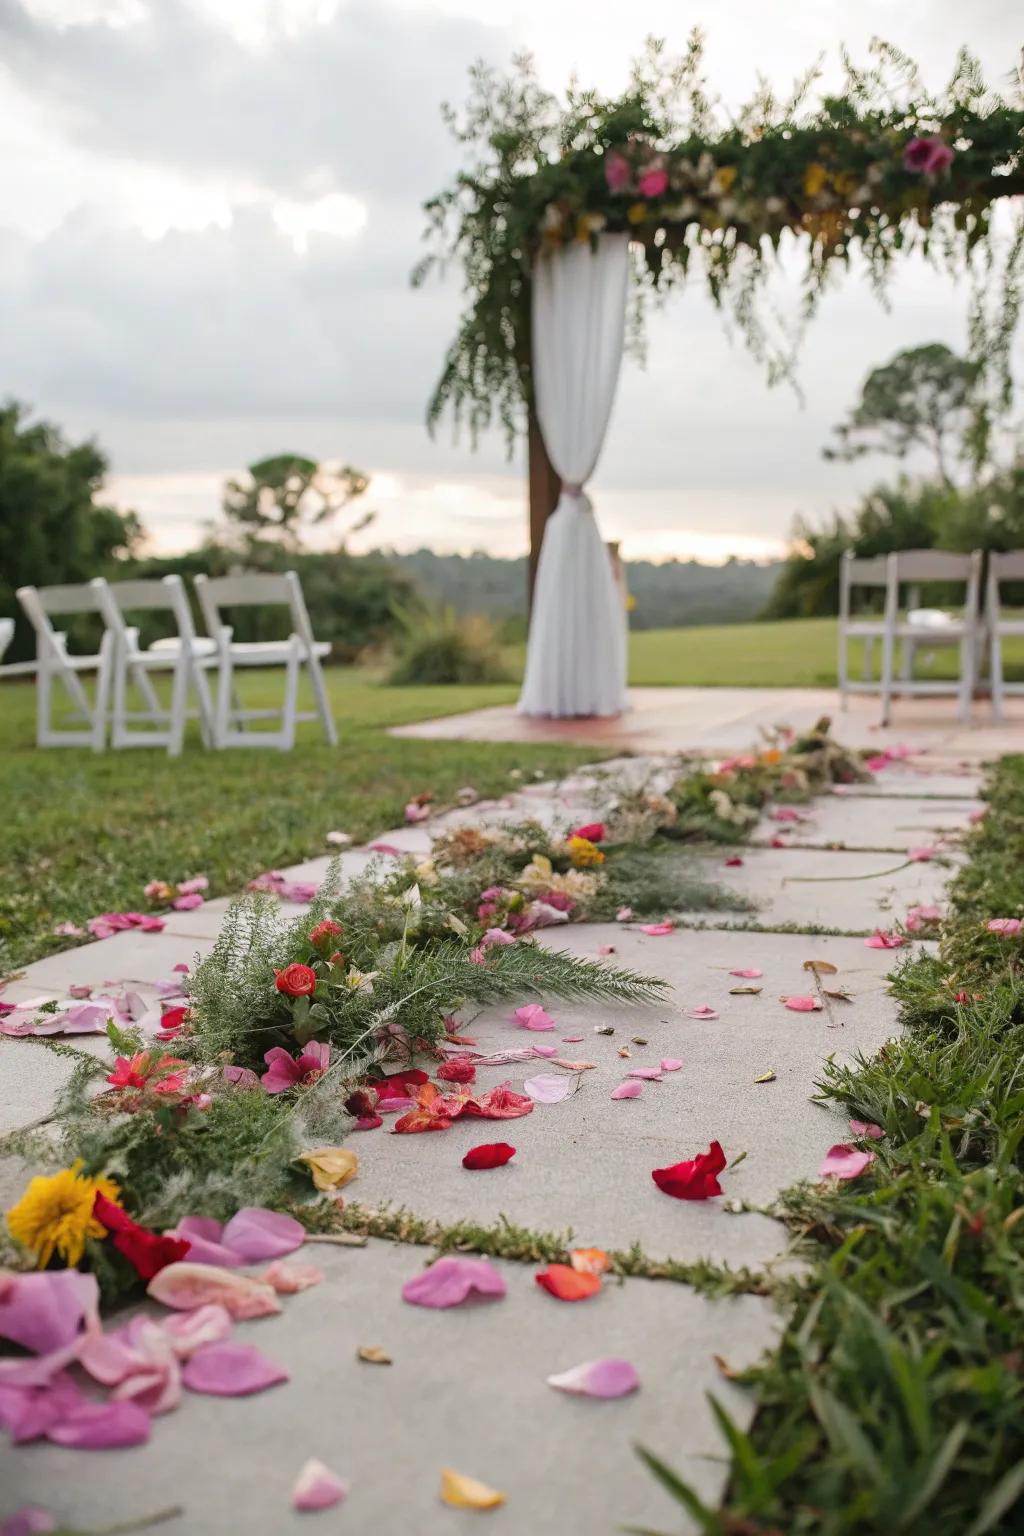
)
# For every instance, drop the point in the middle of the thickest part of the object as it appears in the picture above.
(296, 981)
(458, 1071)
(594, 832)
(324, 931)
(146, 1252)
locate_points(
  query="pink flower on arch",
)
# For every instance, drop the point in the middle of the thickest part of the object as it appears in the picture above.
(285, 1071)
(927, 156)
(653, 182)
(617, 172)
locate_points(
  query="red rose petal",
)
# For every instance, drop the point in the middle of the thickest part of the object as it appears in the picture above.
(494, 1154)
(568, 1284)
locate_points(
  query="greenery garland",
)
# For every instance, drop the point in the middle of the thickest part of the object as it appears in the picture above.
(881, 167)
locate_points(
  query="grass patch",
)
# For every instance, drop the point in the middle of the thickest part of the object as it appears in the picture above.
(83, 833)
(896, 1400)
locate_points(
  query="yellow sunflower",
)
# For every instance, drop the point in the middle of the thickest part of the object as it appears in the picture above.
(54, 1215)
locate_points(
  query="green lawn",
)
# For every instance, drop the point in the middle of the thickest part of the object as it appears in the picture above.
(793, 653)
(82, 833)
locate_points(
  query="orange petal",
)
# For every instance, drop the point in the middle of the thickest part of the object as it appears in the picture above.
(466, 1493)
(568, 1284)
(590, 1261)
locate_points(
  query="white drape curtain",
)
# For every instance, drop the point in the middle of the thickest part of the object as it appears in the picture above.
(576, 656)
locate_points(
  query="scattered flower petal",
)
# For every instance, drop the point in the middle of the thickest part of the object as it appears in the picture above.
(548, 1089)
(590, 1261)
(256, 1234)
(1006, 927)
(101, 1426)
(705, 1011)
(568, 1284)
(630, 1089)
(231, 1370)
(373, 1355)
(882, 940)
(696, 1179)
(186, 1286)
(533, 1016)
(844, 1162)
(451, 1280)
(648, 1074)
(494, 1154)
(288, 1279)
(657, 930)
(749, 973)
(466, 1493)
(597, 1378)
(317, 1487)
(867, 1128)
(670, 1064)
(803, 1004)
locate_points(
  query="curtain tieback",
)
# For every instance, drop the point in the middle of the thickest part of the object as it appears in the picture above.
(571, 488)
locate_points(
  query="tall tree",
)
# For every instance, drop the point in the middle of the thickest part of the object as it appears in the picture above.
(921, 398)
(51, 528)
(286, 493)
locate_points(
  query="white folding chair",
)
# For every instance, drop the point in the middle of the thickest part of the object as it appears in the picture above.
(56, 664)
(185, 656)
(929, 626)
(1008, 567)
(857, 573)
(6, 635)
(298, 651)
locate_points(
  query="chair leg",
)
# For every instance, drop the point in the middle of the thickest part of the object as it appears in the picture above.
(179, 706)
(205, 704)
(44, 701)
(103, 670)
(966, 677)
(996, 673)
(323, 703)
(224, 684)
(843, 665)
(290, 706)
(887, 661)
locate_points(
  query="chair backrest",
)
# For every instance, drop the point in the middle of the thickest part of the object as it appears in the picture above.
(164, 594)
(856, 571)
(6, 635)
(249, 590)
(933, 565)
(1008, 567)
(42, 603)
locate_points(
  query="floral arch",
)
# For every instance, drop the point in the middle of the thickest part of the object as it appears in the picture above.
(555, 193)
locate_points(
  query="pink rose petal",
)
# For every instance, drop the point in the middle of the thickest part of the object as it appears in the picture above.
(532, 1016)
(546, 1088)
(186, 1286)
(203, 1234)
(572, 1039)
(544, 1050)
(803, 1004)
(188, 903)
(844, 1162)
(749, 973)
(882, 940)
(1006, 927)
(867, 1128)
(597, 1378)
(317, 1487)
(624, 915)
(287, 1279)
(101, 1426)
(256, 1234)
(449, 1281)
(656, 930)
(628, 1090)
(605, 949)
(670, 1064)
(44, 1312)
(648, 1074)
(30, 1521)
(231, 1370)
(705, 1011)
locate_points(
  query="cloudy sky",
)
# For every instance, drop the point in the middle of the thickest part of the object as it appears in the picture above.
(208, 214)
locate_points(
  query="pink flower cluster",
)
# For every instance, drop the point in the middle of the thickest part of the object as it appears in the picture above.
(298, 891)
(108, 923)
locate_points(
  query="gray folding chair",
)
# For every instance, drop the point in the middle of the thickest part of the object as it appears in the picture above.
(56, 665)
(300, 650)
(185, 656)
(1008, 567)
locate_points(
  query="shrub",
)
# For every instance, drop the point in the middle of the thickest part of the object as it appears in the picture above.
(436, 645)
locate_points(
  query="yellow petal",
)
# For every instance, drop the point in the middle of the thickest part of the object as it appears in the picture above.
(331, 1167)
(815, 178)
(467, 1493)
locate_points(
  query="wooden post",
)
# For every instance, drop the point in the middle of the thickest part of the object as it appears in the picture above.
(545, 488)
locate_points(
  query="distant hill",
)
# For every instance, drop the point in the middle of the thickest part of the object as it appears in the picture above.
(670, 595)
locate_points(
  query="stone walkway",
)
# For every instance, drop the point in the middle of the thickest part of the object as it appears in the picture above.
(467, 1387)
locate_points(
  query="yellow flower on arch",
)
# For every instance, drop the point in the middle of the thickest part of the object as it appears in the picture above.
(583, 852)
(54, 1215)
(815, 177)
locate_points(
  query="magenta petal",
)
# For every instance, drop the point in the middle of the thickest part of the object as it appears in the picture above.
(844, 1162)
(670, 1064)
(30, 1521)
(451, 1280)
(598, 1378)
(545, 1050)
(231, 1370)
(204, 1237)
(649, 1074)
(44, 1312)
(630, 1089)
(533, 1016)
(256, 1234)
(101, 1427)
(317, 1487)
